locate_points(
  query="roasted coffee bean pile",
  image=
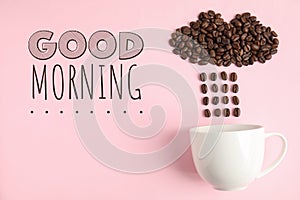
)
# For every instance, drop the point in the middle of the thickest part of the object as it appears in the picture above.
(222, 96)
(210, 39)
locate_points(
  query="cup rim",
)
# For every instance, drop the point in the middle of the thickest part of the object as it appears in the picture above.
(227, 128)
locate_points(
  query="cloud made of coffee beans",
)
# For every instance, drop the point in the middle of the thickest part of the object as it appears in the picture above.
(243, 41)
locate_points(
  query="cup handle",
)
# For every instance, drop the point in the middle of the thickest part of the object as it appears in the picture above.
(280, 157)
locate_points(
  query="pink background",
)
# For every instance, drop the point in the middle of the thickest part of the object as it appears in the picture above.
(41, 156)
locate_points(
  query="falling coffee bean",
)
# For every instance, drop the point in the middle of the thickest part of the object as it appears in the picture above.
(207, 113)
(204, 88)
(233, 77)
(213, 76)
(225, 99)
(214, 87)
(224, 76)
(226, 112)
(217, 112)
(235, 88)
(215, 100)
(236, 112)
(235, 100)
(225, 88)
(205, 101)
(203, 77)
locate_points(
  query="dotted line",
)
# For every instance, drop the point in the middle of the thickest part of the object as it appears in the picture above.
(77, 112)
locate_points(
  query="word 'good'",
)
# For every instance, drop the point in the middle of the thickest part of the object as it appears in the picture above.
(130, 45)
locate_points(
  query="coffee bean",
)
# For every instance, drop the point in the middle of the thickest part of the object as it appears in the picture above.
(273, 51)
(176, 51)
(189, 45)
(204, 88)
(226, 57)
(246, 15)
(274, 34)
(205, 15)
(184, 49)
(237, 23)
(261, 59)
(185, 30)
(183, 56)
(252, 18)
(255, 47)
(184, 38)
(203, 77)
(268, 57)
(217, 16)
(235, 37)
(233, 77)
(202, 62)
(266, 48)
(226, 112)
(188, 53)
(172, 42)
(211, 13)
(229, 47)
(274, 46)
(205, 101)
(217, 112)
(227, 63)
(219, 62)
(236, 112)
(235, 88)
(275, 41)
(225, 88)
(193, 60)
(204, 53)
(215, 100)
(236, 46)
(214, 87)
(181, 45)
(207, 113)
(195, 56)
(220, 50)
(247, 48)
(212, 53)
(238, 64)
(225, 99)
(202, 30)
(213, 76)
(219, 21)
(198, 50)
(212, 61)
(221, 28)
(235, 100)
(173, 35)
(224, 75)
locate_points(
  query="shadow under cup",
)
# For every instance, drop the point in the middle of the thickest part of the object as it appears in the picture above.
(229, 157)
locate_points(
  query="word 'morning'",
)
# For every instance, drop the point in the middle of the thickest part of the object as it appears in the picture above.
(130, 45)
(85, 80)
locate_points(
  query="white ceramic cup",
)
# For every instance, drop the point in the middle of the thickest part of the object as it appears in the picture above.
(235, 156)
